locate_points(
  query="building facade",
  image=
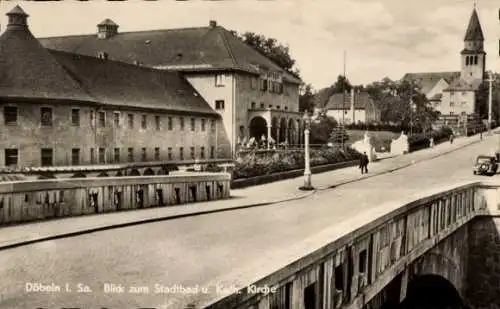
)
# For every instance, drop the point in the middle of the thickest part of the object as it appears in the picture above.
(60, 108)
(454, 94)
(253, 95)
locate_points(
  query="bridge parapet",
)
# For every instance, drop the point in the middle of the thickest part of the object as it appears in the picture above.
(350, 265)
(22, 201)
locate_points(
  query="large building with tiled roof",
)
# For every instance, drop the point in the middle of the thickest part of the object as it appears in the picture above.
(254, 96)
(60, 108)
(454, 94)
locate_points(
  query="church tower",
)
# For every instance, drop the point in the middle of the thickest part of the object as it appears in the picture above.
(473, 55)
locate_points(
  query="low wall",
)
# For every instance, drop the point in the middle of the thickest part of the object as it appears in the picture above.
(259, 180)
(22, 201)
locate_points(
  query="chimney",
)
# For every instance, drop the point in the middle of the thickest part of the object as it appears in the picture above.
(106, 29)
(18, 19)
(213, 24)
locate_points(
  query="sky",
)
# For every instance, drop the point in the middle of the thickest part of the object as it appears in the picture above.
(379, 37)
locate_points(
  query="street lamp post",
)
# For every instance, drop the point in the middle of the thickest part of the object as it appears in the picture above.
(307, 164)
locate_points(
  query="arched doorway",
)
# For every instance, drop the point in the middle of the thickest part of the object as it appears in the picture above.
(149, 172)
(432, 291)
(134, 172)
(283, 129)
(258, 127)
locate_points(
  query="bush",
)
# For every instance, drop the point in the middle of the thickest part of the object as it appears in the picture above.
(382, 127)
(258, 164)
(420, 141)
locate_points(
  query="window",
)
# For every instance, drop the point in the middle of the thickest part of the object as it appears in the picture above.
(278, 107)
(339, 277)
(202, 153)
(452, 103)
(144, 120)
(130, 120)
(47, 156)
(157, 122)
(270, 106)
(75, 156)
(92, 156)
(102, 155)
(46, 116)
(286, 108)
(170, 123)
(219, 80)
(75, 117)
(11, 157)
(261, 105)
(130, 154)
(242, 131)
(263, 85)
(310, 298)
(102, 119)
(169, 153)
(193, 124)
(253, 83)
(92, 118)
(464, 93)
(181, 153)
(463, 102)
(143, 154)
(253, 105)
(117, 155)
(212, 125)
(192, 153)
(116, 120)
(157, 154)
(203, 121)
(10, 114)
(212, 152)
(102, 55)
(219, 104)
(181, 122)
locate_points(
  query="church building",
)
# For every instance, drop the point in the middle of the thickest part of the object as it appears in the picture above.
(455, 94)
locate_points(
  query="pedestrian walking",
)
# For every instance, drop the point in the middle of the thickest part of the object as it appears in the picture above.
(451, 138)
(363, 163)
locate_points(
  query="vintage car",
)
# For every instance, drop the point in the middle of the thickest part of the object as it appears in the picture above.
(485, 165)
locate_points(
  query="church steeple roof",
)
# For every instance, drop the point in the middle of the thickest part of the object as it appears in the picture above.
(474, 31)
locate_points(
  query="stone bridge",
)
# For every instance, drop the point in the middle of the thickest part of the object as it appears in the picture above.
(439, 249)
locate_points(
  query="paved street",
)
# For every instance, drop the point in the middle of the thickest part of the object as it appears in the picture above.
(238, 244)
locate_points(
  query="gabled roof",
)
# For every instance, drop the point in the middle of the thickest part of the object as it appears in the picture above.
(362, 100)
(188, 49)
(322, 96)
(121, 84)
(436, 97)
(427, 80)
(474, 31)
(29, 70)
(463, 85)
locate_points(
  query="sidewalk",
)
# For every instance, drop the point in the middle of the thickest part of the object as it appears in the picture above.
(280, 191)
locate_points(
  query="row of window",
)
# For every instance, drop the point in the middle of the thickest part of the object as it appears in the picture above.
(471, 60)
(462, 103)
(262, 105)
(47, 155)
(46, 119)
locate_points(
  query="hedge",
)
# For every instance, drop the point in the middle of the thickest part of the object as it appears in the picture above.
(382, 127)
(420, 141)
(258, 164)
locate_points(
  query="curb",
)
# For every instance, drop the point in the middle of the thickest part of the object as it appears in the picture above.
(204, 212)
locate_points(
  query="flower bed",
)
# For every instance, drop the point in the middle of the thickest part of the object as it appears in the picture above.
(267, 163)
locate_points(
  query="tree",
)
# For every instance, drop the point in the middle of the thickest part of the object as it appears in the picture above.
(306, 98)
(321, 128)
(272, 49)
(339, 135)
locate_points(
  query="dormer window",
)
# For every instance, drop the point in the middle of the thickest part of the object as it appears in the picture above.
(219, 80)
(102, 55)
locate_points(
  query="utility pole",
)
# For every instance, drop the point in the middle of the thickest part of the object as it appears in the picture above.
(490, 100)
(411, 106)
(343, 106)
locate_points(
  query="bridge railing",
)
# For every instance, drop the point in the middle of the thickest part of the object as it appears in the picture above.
(22, 201)
(352, 270)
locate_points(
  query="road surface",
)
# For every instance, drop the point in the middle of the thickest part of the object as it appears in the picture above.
(194, 250)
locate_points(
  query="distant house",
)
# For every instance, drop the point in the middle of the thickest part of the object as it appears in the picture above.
(353, 107)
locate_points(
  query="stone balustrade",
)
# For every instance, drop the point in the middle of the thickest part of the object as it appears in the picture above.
(22, 201)
(352, 270)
